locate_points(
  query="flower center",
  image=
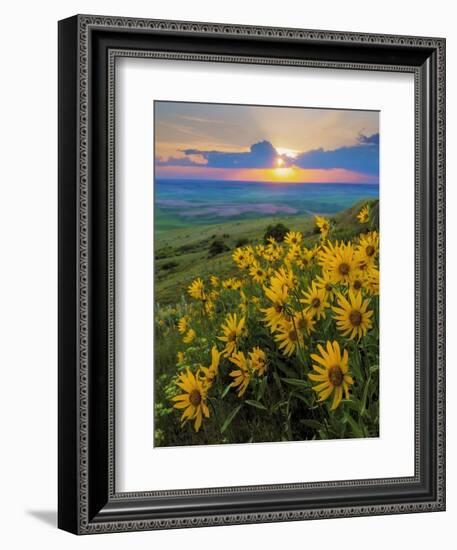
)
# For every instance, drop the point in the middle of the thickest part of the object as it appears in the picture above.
(231, 336)
(356, 318)
(344, 268)
(328, 287)
(293, 336)
(195, 398)
(316, 302)
(357, 284)
(259, 273)
(278, 308)
(335, 375)
(370, 250)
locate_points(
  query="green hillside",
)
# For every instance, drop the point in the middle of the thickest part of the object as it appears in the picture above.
(181, 255)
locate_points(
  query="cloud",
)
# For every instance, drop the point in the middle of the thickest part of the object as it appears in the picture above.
(181, 161)
(260, 155)
(361, 157)
(369, 140)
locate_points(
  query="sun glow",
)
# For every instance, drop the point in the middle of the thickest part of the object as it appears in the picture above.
(292, 153)
(282, 173)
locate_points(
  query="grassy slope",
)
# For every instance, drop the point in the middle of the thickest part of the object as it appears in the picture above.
(188, 248)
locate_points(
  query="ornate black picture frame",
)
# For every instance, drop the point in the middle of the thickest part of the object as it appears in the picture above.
(88, 47)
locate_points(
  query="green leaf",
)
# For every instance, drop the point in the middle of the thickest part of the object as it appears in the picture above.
(261, 388)
(351, 404)
(226, 390)
(277, 380)
(363, 403)
(255, 404)
(278, 405)
(354, 426)
(301, 397)
(296, 382)
(229, 418)
(286, 370)
(315, 424)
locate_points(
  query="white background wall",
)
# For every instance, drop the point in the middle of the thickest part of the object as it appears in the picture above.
(28, 289)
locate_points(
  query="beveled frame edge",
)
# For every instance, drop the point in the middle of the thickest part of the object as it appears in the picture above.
(114, 54)
(80, 30)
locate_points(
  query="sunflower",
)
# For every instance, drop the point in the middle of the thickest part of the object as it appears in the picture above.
(284, 277)
(214, 281)
(209, 308)
(339, 261)
(352, 316)
(331, 374)
(325, 282)
(278, 295)
(242, 375)
(189, 336)
(298, 256)
(258, 360)
(180, 358)
(257, 272)
(293, 238)
(362, 264)
(233, 331)
(313, 253)
(324, 226)
(357, 281)
(192, 400)
(363, 215)
(196, 289)
(316, 300)
(304, 321)
(289, 337)
(260, 250)
(242, 258)
(294, 254)
(183, 324)
(273, 251)
(210, 373)
(244, 303)
(372, 281)
(368, 247)
(232, 284)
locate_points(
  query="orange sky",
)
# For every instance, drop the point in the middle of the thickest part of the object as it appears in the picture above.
(274, 175)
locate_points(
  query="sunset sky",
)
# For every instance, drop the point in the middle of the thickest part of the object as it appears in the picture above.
(269, 144)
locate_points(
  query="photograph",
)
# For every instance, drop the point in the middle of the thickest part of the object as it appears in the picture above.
(266, 273)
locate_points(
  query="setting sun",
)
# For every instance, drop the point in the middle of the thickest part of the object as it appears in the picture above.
(279, 162)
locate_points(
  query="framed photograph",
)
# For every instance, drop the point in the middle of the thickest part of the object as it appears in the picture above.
(251, 274)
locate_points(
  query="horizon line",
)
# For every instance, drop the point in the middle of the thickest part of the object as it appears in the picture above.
(203, 180)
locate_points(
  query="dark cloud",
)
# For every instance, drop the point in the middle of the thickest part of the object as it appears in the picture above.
(362, 157)
(260, 155)
(177, 161)
(369, 140)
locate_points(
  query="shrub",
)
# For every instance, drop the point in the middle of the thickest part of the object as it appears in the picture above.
(170, 265)
(278, 232)
(241, 242)
(217, 247)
